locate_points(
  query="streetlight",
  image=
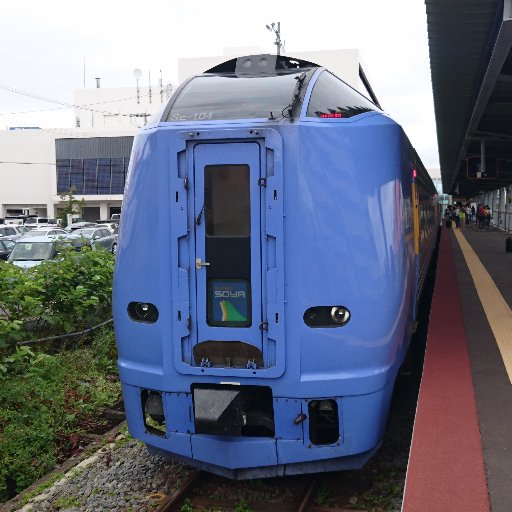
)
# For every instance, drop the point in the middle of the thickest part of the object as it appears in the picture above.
(277, 32)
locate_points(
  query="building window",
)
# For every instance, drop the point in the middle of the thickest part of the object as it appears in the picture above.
(92, 176)
(77, 175)
(104, 176)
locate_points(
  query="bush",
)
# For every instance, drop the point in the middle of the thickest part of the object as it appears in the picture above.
(59, 296)
(47, 402)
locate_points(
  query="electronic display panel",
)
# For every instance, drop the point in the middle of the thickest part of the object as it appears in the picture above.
(229, 303)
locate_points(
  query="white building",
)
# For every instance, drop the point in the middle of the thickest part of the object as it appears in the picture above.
(36, 166)
(97, 151)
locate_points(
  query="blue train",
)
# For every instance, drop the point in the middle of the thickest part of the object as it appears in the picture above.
(276, 231)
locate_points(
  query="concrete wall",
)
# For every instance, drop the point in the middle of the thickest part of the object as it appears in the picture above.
(27, 170)
(28, 177)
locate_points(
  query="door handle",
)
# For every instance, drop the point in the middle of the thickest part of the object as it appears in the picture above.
(200, 264)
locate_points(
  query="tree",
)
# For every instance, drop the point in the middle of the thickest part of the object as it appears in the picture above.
(72, 206)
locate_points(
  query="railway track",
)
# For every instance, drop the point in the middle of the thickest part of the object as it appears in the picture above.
(184, 489)
(377, 486)
(191, 497)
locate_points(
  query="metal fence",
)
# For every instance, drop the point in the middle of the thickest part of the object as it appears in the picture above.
(502, 219)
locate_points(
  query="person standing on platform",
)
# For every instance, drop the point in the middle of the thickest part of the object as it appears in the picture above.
(448, 217)
(488, 217)
(462, 217)
(480, 217)
(456, 215)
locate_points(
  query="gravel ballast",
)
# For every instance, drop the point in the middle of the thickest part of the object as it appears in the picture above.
(120, 476)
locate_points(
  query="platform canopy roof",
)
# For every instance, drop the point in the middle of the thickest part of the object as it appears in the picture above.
(470, 45)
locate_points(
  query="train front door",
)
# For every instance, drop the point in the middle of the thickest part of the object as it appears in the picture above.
(227, 259)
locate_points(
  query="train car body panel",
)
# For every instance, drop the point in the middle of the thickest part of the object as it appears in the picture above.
(266, 280)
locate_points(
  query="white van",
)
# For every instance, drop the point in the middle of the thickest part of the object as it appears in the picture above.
(17, 220)
(37, 222)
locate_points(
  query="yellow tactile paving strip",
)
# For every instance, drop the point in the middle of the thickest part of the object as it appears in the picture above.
(499, 314)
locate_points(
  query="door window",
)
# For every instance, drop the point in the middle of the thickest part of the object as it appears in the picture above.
(228, 245)
(227, 200)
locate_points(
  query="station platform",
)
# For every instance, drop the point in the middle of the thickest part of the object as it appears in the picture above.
(461, 449)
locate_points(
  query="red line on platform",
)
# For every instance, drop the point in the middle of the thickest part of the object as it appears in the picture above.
(446, 468)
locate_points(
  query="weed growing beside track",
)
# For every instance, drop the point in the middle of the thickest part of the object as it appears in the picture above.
(51, 403)
(52, 393)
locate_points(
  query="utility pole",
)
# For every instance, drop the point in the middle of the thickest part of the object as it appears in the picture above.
(277, 31)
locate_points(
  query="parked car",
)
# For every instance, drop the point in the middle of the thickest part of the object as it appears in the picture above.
(17, 220)
(23, 229)
(50, 232)
(94, 237)
(6, 247)
(31, 251)
(79, 225)
(37, 222)
(113, 226)
(10, 232)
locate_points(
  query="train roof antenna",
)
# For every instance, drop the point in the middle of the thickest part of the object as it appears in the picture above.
(277, 31)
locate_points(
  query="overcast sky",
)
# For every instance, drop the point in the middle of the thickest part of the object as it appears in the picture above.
(44, 44)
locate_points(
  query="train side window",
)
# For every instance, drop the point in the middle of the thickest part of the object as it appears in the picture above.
(333, 98)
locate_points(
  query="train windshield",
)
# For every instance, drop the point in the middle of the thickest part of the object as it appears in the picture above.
(332, 98)
(216, 97)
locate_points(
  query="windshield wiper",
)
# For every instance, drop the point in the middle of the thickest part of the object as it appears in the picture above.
(296, 94)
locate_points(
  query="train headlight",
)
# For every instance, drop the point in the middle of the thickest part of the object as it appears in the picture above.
(143, 312)
(326, 316)
(340, 315)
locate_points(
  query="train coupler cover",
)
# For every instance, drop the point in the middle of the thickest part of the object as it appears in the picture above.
(228, 410)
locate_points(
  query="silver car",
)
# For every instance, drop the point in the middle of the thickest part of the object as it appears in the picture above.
(51, 232)
(10, 231)
(6, 247)
(94, 237)
(31, 251)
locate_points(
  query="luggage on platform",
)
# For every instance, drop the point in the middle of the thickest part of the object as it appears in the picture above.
(448, 223)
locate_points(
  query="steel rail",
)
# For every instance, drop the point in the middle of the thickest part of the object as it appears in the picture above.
(307, 497)
(174, 499)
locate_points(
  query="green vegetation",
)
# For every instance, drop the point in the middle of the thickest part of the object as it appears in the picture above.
(187, 506)
(48, 401)
(243, 507)
(71, 206)
(41, 488)
(67, 502)
(51, 393)
(323, 496)
(60, 296)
